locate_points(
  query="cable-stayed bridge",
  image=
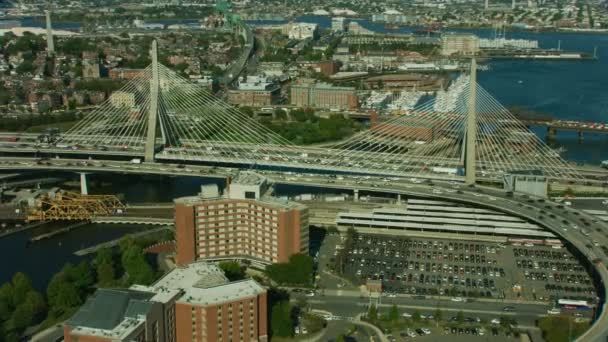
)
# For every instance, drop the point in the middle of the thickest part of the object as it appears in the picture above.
(461, 134)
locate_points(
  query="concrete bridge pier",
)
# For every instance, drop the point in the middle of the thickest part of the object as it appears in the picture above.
(580, 135)
(398, 198)
(356, 195)
(84, 190)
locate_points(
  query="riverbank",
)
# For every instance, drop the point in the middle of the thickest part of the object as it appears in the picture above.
(58, 231)
(22, 229)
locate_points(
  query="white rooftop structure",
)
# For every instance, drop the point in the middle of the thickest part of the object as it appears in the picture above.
(254, 83)
(441, 216)
(200, 283)
(302, 31)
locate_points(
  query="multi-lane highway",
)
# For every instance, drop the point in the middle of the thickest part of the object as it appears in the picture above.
(562, 221)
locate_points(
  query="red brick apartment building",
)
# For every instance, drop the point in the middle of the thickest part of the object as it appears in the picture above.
(195, 303)
(242, 225)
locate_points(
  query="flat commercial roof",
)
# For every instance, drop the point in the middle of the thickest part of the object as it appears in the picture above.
(223, 293)
(472, 221)
(451, 228)
(201, 283)
(111, 313)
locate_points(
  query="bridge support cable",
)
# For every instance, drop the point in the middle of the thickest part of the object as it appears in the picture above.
(209, 128)
(503, 144)
(427, 142)
(118, 123)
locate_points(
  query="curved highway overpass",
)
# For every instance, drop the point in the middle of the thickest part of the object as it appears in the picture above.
(552, 216)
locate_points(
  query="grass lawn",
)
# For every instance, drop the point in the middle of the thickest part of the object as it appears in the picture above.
(561, 328)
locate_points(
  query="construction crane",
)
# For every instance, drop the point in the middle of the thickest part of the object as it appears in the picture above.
(74, 206)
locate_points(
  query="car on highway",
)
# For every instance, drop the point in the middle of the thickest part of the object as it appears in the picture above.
(457, 299)
(508, 309)
(554, 311)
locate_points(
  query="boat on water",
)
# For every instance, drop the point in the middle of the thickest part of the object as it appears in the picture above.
(605, 164)
(391, 27)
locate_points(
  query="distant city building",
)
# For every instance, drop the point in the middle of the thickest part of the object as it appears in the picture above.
(390, 17)
(301, 31)
(242, 225)
(255, 91)
(501, 43)
(459, 44)
(323, 95)
(355, 28)
(122, 99)
(191, 303)
(338, 24)
(271, 69)
(125, 73)
(326, 68)
(91, 70)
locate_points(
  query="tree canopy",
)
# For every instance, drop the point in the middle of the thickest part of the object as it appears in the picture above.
(281, 323)
(232, 270)
(298, 271)
(20, 306)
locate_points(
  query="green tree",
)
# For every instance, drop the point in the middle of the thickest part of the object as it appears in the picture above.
(281, 323)
(247, 111)
(21, 286)
(25, 67)
(438, 315)
(35, 303)
(62, 294)
(460, 317)
(6, 301)
(372, 313)
(298, 271)
(393, 314)
(27, 313)
(81, 276)
(105, 274)
(280, 114)
(232, 270)
(416, 316)
(136, 266)
(341, 338)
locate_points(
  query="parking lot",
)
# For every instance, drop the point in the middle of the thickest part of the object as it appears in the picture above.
(466, 269)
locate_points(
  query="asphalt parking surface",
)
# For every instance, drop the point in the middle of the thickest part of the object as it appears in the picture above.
(467, 269)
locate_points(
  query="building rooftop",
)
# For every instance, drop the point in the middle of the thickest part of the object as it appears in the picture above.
(111, 313)
(201, 283)
(223, 293)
